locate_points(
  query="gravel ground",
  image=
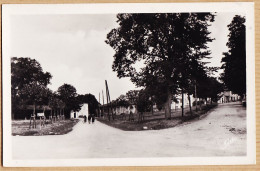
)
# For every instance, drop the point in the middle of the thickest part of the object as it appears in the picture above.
(21, 128)
(221, 133)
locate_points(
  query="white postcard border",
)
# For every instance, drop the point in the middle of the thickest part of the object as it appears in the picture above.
(29, 9)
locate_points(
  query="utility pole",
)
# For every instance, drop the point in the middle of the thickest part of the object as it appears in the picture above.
(107, 95)
(109, 102)
(103, 108)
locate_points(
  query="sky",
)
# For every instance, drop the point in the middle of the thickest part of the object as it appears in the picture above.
(73, 49)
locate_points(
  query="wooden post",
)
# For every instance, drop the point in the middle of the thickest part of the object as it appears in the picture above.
(196, 95)
(109, 102)
(189, 104)
(54, 116)
(40, 122)
(107, 95)
(34, 116)
(182, 107)
(103, 104)
(60, 114)
(50, 117)
(31, 121)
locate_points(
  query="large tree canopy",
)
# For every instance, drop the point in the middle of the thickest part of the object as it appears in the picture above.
(234, 61)
(91, 100)
(166, 43)
(68, 94)
(27, 71)
(209, 87)
(28, 83)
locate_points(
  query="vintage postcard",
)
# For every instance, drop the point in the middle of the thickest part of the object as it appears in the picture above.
(137, 84)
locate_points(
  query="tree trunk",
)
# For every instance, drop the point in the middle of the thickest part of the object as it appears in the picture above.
(34, 114)
(152, 108)
(200, 103)
(190, 104)
(34, 106)
(167, 106)
(182, 107)
(12, 114)
(141, 117)
(196, 96)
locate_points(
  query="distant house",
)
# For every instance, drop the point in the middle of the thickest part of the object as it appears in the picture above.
(174, 105)
(84, 111)
(228, 96)
(178, 104)
(122, 109)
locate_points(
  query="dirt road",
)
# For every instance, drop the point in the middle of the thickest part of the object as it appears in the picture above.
(221, 133)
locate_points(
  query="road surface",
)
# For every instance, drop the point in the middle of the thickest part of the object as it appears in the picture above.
(221, 133)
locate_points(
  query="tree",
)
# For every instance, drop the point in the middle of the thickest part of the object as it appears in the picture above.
(216, 89)
(234, 61)
(121, 101)
(132, 96)
(165, 43)
(209, 87)
(144, 103)
(26, 74)
(34, 94)
(68, 94)
(56, 104)
(91, 100)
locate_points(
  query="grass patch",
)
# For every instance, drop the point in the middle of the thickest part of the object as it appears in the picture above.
(21, 128)
(157, 121)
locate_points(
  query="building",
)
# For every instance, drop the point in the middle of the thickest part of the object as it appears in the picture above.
(178, 103)
(228, 96)
(121, 109)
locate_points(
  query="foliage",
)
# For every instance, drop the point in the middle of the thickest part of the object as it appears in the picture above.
(166, 43)
(209, 87)
(28, 83)
(198, 103)
(26, 71)
(68, 94)
(132, 96)
(121, 101)
(55, 102)
(234, 61)
(144, 103)
(91, 100)
(34, 94)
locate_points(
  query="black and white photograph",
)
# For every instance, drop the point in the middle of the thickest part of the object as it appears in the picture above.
(128, 84)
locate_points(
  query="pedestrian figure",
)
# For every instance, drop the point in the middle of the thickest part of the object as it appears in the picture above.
(89, 118)
(93, 118)
(85, 118)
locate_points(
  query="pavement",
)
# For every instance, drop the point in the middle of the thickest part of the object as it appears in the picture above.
(221, 133)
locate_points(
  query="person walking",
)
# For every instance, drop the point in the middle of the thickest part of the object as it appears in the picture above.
(89, 118)
(85, 118)
(93, 118)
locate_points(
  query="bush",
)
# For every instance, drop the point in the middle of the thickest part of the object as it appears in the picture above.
(198, 103)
